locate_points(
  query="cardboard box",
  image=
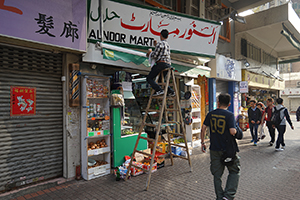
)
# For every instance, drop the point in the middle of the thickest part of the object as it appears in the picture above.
(147, 166)
(176, 150)
(162, 147)
(136, 171)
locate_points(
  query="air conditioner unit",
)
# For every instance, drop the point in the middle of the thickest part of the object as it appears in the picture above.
(298, 84)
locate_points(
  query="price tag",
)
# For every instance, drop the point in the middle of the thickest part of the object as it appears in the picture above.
(99, 170)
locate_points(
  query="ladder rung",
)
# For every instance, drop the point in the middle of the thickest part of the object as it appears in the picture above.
(162, 96)
(158, 97)
(145, 170)
(172, 110)
(152, 110)
(177, 145)
(152, 125)
(170, 84)
(172, 122)
(180, 156)
(141, 152)
(178, 134)
(149, 139)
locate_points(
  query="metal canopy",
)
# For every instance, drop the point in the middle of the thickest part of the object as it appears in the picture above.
(268, 30)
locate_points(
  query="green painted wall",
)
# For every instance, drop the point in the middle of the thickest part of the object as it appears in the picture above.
(123, 146)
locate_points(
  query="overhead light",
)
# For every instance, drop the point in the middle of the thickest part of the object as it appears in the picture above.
(245, 62)
(278, 77)
(268, 75)
(234, 15)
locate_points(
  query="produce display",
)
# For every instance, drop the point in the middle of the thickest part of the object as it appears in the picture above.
(98, 163)
(179, 140)
(99, 144)
(96, 89)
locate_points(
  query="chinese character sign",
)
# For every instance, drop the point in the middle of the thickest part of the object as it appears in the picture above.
(22, 101)
(53, 22)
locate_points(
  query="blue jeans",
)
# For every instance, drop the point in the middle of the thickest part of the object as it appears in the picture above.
(280, 139)
(217, 170)
(155, 70)
(253, 130)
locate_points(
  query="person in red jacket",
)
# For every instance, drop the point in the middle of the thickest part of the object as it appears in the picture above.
(268, 115)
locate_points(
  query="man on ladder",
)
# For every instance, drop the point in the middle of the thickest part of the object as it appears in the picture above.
(161, 68)
(161, 54)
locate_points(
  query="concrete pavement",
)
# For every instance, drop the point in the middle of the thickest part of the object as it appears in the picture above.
(265, 174)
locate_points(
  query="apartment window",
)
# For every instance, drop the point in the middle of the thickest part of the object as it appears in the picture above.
(168, 3)
(250, 51)
(269, 60)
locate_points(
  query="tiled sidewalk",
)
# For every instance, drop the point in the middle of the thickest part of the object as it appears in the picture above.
(265, 174)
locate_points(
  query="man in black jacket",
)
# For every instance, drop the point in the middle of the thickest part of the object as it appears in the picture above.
(254, 115)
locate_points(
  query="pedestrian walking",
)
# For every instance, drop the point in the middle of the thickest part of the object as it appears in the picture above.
(254, 116)
(298, 114)
(161, 55)
(221, 123)
(260, 130)
(284, 116)
(267, 117)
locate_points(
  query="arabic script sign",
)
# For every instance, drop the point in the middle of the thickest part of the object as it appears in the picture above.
(22, 101)
(54, 22)
(133, 25)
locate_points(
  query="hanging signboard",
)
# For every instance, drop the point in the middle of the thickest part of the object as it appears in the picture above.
(53, 22)
(244, 87)
(133, 25)
(22, 101)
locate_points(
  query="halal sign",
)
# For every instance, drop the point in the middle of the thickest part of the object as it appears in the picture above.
(22, 101)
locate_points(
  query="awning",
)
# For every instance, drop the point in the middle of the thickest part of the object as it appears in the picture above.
(114, 53)
(261, 81)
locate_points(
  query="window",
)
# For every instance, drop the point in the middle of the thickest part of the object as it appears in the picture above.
(250, 51)
(269, 60)
(168, 3)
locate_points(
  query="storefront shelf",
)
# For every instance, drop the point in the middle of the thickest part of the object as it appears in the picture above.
(196, 110)
(96, 172)
(100, 133)
(196, 131)
(198, 120)
(97, 97)
(99, 151)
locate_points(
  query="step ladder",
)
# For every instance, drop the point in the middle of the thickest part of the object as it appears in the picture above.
(163, 111)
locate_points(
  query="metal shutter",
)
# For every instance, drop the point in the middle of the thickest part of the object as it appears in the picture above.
(31, 147)
(221, 87)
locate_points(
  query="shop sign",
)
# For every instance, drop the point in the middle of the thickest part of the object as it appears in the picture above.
(290, 91)
(244, 87)
(22, 101)
(226, 68)
(52, 22)
(134, 26)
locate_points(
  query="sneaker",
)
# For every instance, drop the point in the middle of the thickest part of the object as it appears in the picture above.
(161, 92)
(263, 137)
(171, 94)
(252, 140)
(255, 144)
(271, 143)
(283, 147)
(279, 149)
